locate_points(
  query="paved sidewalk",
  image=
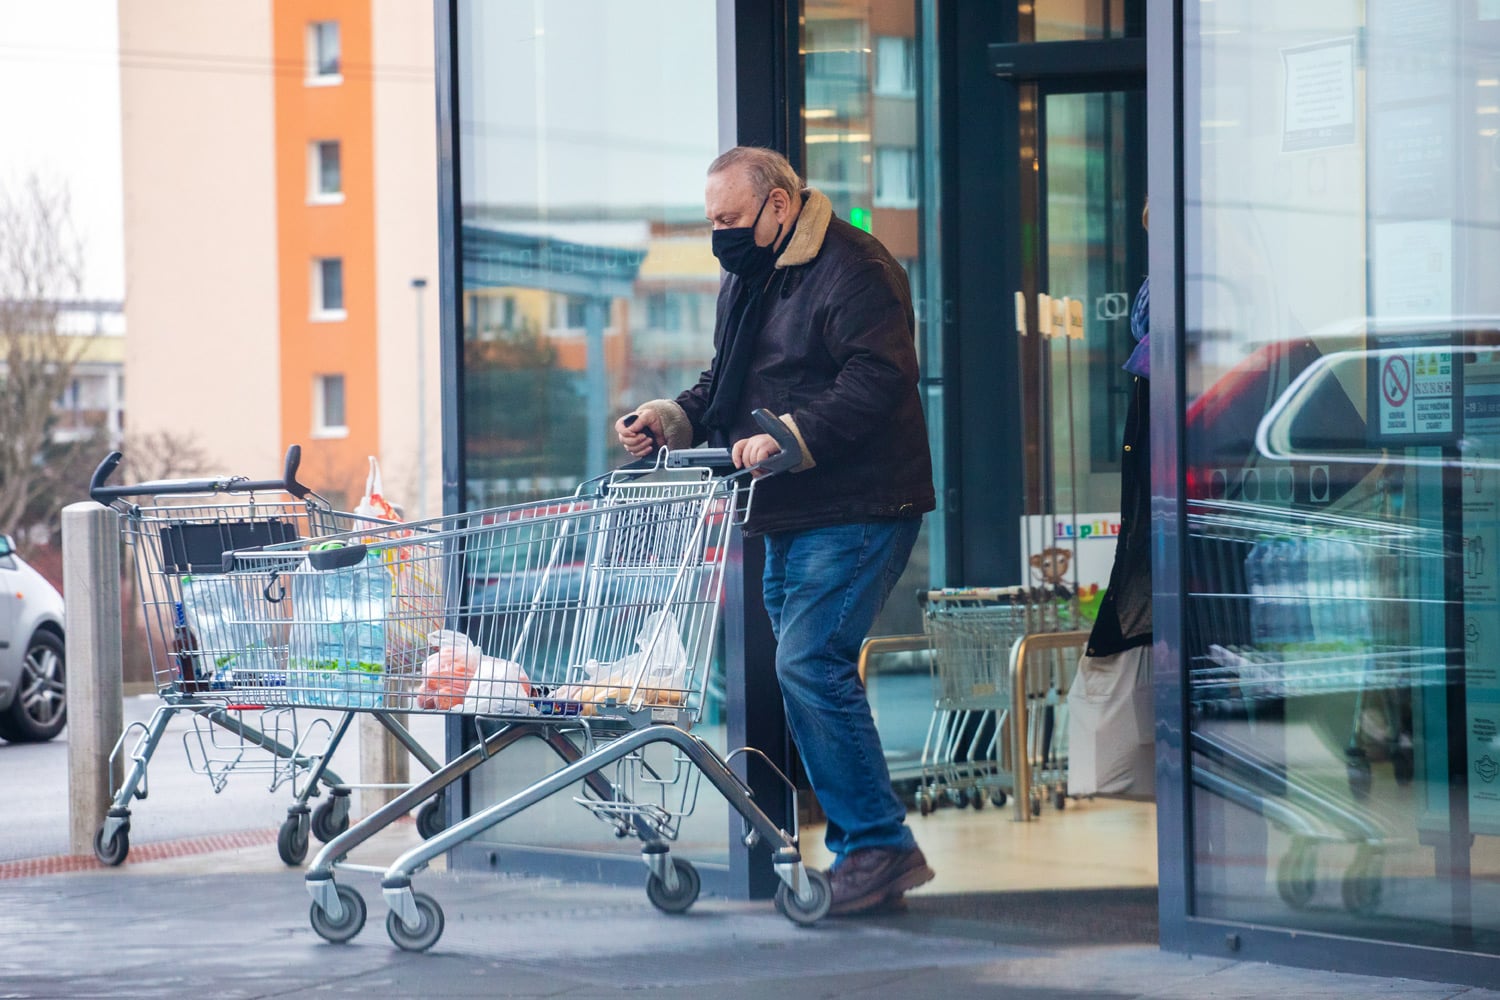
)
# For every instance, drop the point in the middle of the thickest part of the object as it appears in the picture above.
(233, 924)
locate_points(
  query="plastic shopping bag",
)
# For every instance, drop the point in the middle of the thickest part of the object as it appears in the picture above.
(656, 675)
(499, 687)
(1111, 726)
(373, 503)
(448, 670)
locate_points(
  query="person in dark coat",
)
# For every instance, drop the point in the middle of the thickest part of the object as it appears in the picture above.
(815, 324)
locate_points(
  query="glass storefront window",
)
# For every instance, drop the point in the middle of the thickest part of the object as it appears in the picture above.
(1075, 20)
(865, 81)
(585, 130)
(1343, 493)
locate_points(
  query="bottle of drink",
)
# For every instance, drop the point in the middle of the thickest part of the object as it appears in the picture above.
(185, 652)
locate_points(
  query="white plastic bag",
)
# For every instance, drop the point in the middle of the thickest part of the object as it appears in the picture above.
(1111, 729)
(499, 687)
(656, 675)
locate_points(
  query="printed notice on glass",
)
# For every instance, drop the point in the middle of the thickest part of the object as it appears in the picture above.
(1319, 109)
(1415, 392)
(1480, 499)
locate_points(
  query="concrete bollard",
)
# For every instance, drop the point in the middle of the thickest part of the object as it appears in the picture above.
(382, 760)
(95, 672)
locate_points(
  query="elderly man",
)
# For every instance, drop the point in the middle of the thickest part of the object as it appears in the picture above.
(815, 324)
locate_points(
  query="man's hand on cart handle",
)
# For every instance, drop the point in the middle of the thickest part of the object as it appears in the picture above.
(641, 432)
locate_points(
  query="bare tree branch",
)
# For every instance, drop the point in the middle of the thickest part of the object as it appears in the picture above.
(41, 267)
(163, 455)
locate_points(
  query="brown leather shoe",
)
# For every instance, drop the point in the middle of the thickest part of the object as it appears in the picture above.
(872, 879)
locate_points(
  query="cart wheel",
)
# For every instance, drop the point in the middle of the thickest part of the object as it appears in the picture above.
(430, 820)
(924, 804)
(1060, 800)
(291, 840)
(960, 797)
(1363, 885)
(998, 800)
(1036, 806)
(1296, 875)
(1357, 763)
(324, 826)
(429, 927)
(806, 914)
(343, 929)
(688, 884)
(976, 801)
(112, 853)
(1403, 764)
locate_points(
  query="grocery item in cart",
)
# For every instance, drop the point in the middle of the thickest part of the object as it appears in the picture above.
(230, 651)
(336, 653)
(656, 675)
(458, 677)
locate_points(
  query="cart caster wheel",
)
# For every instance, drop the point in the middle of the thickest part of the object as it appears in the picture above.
(1036, 807)
(809, 913)
(291, 840)
(1297, 876)
(1060, 800)
(1363, 882)
(925, 805)
(976, 801)
(960, 797)
(999, 799)
(113, 852)
(343, 929)
(1357, 763)
(1403, 764)
(688, 884)
(429, 925)
(324, 826)
(430, 820)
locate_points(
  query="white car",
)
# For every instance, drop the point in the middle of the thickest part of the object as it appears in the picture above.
(33, 703)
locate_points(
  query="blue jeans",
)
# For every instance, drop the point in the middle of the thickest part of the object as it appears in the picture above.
(823, 589)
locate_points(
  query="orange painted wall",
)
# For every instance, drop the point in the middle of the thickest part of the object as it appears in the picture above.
(306, 114)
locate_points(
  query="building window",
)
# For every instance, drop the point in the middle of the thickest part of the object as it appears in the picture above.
(329, 419)
(895, 177)
(323, 65)
(896, 67)
(328, 288)
(325, 182)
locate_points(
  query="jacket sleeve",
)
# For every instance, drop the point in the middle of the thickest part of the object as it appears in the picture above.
(868, 330)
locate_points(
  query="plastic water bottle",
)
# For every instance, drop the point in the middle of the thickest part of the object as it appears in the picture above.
(1353, 574)
(1322, 591)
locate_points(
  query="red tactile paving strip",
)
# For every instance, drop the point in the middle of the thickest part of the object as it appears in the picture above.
(61, 863)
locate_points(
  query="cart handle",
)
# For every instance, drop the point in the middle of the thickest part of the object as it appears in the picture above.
(288, 482)
(789, 457)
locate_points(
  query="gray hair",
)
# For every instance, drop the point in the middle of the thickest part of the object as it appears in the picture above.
(766, 169)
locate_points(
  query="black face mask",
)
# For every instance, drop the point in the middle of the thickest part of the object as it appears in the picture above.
(738, 252)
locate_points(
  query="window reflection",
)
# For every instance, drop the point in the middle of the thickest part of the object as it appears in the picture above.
(1344, 385)
(585, 130)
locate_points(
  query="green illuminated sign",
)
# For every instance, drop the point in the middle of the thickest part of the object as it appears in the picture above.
(860, 218)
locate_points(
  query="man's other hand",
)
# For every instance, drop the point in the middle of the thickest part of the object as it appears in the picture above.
(640, 432)
(754, 450)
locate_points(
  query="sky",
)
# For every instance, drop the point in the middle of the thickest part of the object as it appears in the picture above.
(60, 117)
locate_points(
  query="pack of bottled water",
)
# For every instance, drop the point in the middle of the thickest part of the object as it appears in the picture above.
(1310, 600)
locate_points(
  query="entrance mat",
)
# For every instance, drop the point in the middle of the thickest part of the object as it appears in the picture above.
(1085, 916)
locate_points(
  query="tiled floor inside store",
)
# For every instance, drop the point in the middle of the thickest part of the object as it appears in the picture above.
(1095, 843)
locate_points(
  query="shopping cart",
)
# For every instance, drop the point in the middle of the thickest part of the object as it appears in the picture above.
(967, 757)
(585, 621)
(208, 662)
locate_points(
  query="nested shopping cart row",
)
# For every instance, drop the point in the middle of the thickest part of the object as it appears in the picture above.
(586, 622)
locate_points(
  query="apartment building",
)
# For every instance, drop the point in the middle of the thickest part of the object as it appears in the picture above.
(280, 229)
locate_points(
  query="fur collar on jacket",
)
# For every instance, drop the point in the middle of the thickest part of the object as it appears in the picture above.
(812, 226)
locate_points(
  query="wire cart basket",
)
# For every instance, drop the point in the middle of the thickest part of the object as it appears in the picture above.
(586, 622)
(207, 662)
(969, 755)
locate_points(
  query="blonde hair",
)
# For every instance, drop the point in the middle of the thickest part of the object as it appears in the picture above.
(766, 169)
